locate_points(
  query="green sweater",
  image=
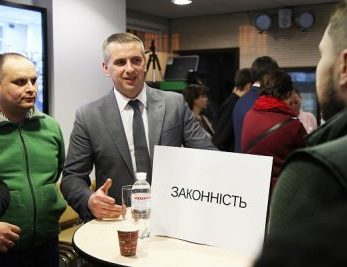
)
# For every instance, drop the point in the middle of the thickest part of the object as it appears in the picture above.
(314, 179)
(31, 159)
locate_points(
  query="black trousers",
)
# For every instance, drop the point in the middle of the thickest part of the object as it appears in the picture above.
(45, 255)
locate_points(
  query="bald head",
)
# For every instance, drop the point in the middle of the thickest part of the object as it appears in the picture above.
(6, 56)
(18, 86)
(338, 27)
(331, 72)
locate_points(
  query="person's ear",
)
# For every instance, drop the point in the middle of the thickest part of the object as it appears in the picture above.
(343, 72)
(106, 70)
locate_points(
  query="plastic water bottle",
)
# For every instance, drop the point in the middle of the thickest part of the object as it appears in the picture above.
(141, 204)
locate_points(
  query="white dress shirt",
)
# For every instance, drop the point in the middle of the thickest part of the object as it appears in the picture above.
(126, 113)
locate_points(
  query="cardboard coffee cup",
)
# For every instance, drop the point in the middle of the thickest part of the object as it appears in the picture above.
(128, 237)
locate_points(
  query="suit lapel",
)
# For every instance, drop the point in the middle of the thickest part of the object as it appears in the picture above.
(156, 112)
(115, 128)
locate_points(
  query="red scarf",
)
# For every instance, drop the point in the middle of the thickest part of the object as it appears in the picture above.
(270, 103)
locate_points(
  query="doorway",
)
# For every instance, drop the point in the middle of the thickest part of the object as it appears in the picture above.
(217, 68)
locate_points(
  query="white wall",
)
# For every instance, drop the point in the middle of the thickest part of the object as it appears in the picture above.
(79, 28)
(76, 30)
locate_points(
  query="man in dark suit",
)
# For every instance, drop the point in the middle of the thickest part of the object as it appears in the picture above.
(103, 131)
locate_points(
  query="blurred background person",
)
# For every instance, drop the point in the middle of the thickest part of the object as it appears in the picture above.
(271, 127)
(307, 118)
(5, 228)
(4, 197)
(197, 99)
(223, 137)
(260, 67)
(194, 77)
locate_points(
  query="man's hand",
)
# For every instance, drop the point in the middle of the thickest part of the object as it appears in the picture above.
(9, 234)
(103, 206)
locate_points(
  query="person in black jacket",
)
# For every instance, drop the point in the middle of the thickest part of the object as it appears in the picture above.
(315, 178)
(223, 137)
(4, 197)
(319, 241)
(308, 207)
(7, 231)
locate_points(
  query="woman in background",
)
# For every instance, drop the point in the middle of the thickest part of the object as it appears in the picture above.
(271, 127)
(197, 99)
(307, 118)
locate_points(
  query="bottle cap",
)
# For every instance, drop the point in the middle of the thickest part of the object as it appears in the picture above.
(141, 176)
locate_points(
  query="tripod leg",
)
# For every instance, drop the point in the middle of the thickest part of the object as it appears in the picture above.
(150, 60)
(153, 69)
(156, 61)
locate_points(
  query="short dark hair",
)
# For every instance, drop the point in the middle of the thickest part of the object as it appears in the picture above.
(337, 27)
(243, 77)
(277, 84)
(193, 77)
(262, 66)
(193, 92)
(121, 38)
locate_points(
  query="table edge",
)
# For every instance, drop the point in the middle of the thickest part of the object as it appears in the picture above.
(91, 258)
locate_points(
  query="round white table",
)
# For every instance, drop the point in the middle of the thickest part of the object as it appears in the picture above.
(97, 241)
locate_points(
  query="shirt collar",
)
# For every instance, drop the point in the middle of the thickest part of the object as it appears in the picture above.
(122, 100)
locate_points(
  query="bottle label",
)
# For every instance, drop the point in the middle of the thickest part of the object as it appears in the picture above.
(140, 201)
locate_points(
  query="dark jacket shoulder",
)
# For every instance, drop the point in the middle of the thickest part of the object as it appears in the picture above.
(330, 155)
(332, 129)
(327, 145)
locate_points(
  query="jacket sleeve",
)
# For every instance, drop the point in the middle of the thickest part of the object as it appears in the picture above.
(4, 197)
(300, 135)
(61, 153)
(223, 137)
(75, 184)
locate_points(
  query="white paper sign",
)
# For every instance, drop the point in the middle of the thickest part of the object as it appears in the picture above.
(211, 197)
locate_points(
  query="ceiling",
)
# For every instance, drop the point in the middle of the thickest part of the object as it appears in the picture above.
(166, 9)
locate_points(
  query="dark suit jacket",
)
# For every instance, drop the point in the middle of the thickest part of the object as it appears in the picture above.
(243, 105)
(98, 139)
(223, 137)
